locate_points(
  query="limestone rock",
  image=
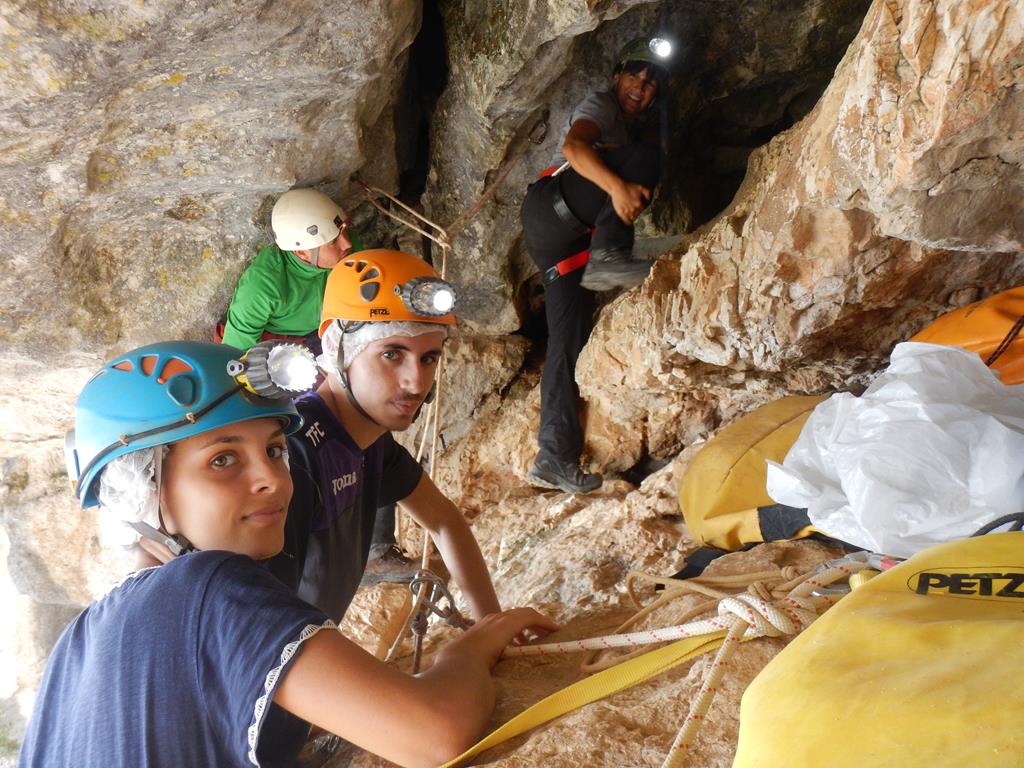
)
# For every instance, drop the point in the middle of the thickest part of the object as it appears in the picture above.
(740, 70)
(141, 140)
(143, 143)
(475, 368)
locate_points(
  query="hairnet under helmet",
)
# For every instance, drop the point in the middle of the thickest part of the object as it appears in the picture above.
(156, 395)
(355, 341)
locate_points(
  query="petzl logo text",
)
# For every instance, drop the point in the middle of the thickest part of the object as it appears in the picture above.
(379, 312)
(999, 583)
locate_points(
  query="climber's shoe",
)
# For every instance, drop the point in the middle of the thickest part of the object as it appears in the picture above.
(610, 268)
(563, 476)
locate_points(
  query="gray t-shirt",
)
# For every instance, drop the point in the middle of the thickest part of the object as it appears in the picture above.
(601, 108)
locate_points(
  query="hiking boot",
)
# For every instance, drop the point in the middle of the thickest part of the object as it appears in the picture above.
(613, 268)
(389, 563)
(563, 477)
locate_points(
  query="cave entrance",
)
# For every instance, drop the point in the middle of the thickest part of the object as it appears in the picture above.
(747, 73)
(425, 79)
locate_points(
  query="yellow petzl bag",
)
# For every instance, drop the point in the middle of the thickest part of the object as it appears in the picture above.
(919, 667)
(991, 328)
(722, 495)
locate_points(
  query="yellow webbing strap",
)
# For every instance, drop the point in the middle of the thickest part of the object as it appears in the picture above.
(597, 686)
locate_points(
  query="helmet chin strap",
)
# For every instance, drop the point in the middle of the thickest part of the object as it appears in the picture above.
(177, 544)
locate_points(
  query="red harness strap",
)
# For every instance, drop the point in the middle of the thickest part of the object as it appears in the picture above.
(565, 266)
(218, 336)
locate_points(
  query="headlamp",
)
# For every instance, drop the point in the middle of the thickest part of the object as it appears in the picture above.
(428, 296)
(660, 47)
(272, 369)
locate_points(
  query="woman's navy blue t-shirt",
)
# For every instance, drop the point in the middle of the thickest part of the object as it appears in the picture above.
(177, 666)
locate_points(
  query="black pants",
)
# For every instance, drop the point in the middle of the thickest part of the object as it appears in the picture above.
(568, 307)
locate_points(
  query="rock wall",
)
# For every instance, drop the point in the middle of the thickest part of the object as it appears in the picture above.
(144, 143)
(850, 232)
(140, 142)
(741, 73)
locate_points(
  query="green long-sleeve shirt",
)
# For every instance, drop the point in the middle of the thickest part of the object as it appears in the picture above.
(278, 293)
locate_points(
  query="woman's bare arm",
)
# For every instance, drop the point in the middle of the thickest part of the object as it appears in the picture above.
(413, 721)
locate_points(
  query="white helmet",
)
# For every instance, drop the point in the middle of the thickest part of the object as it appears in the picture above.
(304, 219)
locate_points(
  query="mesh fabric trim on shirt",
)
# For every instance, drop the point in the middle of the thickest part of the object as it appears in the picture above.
(271, 683)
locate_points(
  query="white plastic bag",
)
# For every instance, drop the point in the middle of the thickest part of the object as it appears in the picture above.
(931, 451)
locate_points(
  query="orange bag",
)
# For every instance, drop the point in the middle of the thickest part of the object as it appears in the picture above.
(991, 328)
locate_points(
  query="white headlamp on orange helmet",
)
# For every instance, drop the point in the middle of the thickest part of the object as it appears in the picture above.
(385, 286)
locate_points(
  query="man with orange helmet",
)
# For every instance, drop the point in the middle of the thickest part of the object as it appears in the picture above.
(385, 317)
(279, 296)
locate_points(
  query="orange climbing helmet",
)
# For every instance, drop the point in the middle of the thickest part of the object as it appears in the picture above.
(381, 285)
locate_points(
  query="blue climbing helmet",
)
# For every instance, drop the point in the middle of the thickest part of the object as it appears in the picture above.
(165, 392)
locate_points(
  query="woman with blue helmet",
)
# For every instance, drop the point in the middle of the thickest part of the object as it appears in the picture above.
(208, 659)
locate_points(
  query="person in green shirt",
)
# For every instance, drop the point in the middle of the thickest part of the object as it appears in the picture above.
(280, 295)
(281, 292)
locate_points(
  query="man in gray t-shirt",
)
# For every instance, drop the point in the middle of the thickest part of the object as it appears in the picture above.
(602, 109)
(606, 177)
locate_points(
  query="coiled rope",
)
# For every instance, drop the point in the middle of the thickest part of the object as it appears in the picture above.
(786, 608)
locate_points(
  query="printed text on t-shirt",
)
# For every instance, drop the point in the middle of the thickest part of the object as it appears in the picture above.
(315, 434)
(341, 483)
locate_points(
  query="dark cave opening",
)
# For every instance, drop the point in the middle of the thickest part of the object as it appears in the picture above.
(425, 79)
(742, 75)
(747, 73)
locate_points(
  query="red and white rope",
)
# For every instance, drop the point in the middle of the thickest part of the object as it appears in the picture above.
(790, 615)
(786, 616)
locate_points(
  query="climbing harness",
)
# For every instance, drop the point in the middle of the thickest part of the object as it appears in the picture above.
(562, 210)
(565, 266)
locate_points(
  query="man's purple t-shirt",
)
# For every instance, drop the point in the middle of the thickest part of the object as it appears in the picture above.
(338, 489)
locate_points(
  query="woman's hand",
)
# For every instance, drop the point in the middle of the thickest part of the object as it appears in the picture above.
(494, 632)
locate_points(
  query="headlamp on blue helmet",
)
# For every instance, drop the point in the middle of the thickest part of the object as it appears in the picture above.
(274, 369)
(159, 394)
